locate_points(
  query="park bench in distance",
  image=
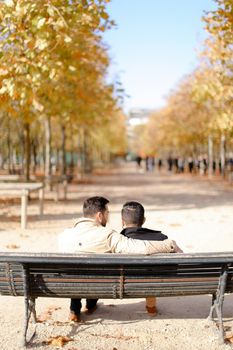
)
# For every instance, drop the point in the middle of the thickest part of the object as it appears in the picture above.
(116, 276)
(9, 178)
(57, 182)
(23, 190)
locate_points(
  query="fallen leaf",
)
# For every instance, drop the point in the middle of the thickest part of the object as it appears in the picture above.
(58, 341)
(229, 339)
(47, 314)
(12, 246)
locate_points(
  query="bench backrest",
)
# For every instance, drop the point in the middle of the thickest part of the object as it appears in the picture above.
(113, 275)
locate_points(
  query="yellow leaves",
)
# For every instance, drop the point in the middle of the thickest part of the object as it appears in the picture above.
(31, 44)
(51, 11)
(72, 68)
(104, 15)
(67, 39)
(38, 106)
(21, 10)
(9, 3)
(102, 28)
(3, 71)
(41, 22)
(7, 87)
(53, 52)
(52, 73)
(41, 44)
(60, 23)
(86, 19)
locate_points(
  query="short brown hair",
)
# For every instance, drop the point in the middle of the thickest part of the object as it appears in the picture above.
(93, 205)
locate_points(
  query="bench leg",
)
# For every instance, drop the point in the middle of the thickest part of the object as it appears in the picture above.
(217, 303)
(24, 202)
(32, 309)
(29, 303)
(65, 185)
(26, 320)
(57, 193)
(41, 201)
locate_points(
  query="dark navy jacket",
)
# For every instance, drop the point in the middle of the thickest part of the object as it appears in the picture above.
(143, 233)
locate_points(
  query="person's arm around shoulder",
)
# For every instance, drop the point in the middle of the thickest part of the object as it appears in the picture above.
(121, 244)
(178, 249)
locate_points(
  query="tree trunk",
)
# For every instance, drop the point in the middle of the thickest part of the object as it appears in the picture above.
(210, 156)
(34, 152)
(48, 168)
(9, 164)
(72, 161)
(22, 152)
(80, 154)
(63, 150)
(86, 152)
(222, 155)
(57, 159)
(27, 154)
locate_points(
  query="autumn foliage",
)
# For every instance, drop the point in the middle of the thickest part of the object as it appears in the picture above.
(201, 106)
(53, 90)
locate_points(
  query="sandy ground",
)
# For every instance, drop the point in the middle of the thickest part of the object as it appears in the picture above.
(196, 212)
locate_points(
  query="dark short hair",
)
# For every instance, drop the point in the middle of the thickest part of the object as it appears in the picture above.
(93, 205)
(133, 213)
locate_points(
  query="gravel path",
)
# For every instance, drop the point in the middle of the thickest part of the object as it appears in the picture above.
(196, 212)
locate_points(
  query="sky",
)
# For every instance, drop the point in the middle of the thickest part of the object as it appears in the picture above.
(154, 45)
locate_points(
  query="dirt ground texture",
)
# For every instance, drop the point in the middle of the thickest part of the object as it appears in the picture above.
(197, 212)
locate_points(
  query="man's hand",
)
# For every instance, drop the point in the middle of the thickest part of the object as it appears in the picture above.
(177, 249)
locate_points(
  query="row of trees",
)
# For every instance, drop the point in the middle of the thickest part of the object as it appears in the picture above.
(53, 91)
(198, 116)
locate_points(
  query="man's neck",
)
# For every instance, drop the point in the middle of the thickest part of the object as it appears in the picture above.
(131, 225)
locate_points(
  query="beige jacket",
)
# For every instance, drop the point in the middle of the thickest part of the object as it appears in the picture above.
(90, 237)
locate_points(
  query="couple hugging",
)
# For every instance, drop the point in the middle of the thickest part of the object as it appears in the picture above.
(90, 235)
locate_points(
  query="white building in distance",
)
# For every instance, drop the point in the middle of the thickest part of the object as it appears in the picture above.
(138, 116)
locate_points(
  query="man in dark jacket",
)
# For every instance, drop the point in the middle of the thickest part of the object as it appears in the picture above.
(133, 218)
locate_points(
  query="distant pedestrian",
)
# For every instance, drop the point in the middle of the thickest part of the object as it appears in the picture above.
(160, 164)
(139, 161)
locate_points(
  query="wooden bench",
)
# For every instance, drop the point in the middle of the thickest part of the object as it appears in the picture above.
(60, 183)
(9, 178)
(116, 276)
(22, 190)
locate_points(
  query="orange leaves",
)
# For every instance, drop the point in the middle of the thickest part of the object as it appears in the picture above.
(58, 341)
(229, 338)
(104, 15)
(47, 314)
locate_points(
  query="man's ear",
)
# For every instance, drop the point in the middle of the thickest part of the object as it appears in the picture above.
(98, 217)
(123, 223)
(144, 220)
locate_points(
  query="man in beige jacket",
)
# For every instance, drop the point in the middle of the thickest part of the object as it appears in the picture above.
(90, 235)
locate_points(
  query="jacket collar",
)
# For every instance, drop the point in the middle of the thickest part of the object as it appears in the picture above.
(83, 219)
